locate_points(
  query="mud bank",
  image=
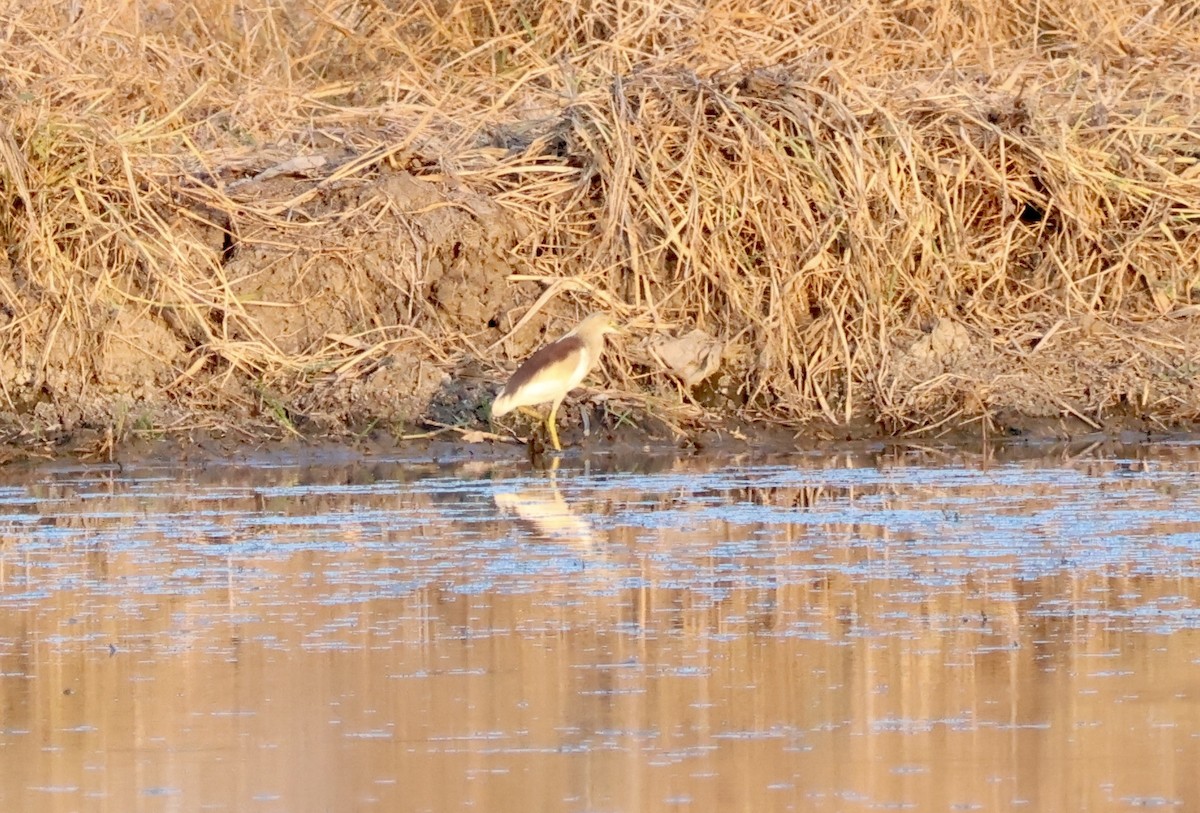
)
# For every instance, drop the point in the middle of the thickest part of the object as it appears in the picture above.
(853, 221)
(405, 332)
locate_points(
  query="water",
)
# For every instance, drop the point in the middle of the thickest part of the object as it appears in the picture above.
(911, 630)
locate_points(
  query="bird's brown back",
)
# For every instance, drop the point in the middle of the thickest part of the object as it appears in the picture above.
(545, 358)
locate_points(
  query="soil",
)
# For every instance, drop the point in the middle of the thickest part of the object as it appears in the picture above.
(375, 289)
(337, 316)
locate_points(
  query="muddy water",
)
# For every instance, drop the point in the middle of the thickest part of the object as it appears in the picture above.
(902, 630)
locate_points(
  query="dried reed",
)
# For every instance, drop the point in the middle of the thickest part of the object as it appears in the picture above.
(924, 214)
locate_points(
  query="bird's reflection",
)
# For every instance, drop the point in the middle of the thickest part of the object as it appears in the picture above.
(546, 514)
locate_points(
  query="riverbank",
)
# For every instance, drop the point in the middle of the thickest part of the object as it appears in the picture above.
(856, 221)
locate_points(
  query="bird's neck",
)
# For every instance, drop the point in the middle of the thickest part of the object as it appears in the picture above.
(595, 344)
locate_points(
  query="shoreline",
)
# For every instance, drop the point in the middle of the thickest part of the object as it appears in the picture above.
(204, 447)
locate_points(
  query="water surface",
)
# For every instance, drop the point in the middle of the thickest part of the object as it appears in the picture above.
(920, 629)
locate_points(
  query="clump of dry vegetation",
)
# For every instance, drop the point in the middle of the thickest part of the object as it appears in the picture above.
(322, 213)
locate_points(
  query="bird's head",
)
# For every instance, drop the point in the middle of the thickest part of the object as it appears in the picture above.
(597, 325)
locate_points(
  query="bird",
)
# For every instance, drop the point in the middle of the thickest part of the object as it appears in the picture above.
(554, 370)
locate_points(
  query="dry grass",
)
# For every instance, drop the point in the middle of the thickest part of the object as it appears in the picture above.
(923, 213)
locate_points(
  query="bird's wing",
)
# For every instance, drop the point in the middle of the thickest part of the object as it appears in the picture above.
(543, 376)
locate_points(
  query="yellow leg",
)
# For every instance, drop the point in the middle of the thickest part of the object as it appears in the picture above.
(551, 428)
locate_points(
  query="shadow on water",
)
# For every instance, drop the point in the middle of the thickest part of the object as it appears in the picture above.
(890, 626)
